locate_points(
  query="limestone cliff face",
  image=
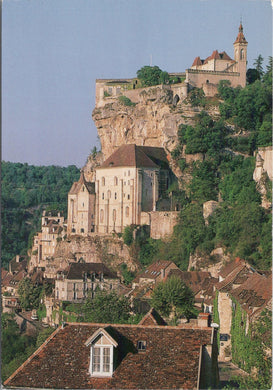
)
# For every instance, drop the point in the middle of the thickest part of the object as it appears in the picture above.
(263, 173)
(152, 120)
(93, 249)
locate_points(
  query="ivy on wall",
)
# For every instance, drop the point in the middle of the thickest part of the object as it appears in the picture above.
(249, 349)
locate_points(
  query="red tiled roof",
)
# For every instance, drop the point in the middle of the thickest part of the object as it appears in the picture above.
(256, 291)
(154, 270)
(197, 61)
(77, 186)
(171, 359)
(132, 155)
(225, 56)
(152, 318)
(196, 280)
(237, 276)
(228, 268)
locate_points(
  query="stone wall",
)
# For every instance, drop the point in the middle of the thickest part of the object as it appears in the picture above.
(162, 223)
(225, 315)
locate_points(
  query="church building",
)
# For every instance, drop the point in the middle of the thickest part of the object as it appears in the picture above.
(128, 184)
(207, 73)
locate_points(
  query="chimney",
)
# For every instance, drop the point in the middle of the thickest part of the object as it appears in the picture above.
(204, 319)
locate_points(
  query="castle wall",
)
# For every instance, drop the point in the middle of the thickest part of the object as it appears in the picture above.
(197, 78)
(161, 223)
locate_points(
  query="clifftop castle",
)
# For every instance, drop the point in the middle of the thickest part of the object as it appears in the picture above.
(204, 73)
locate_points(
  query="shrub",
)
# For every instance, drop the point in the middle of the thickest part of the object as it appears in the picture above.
(125, 101)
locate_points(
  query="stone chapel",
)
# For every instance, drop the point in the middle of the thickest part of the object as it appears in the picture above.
(129, 183)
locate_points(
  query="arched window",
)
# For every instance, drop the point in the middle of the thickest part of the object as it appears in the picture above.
(103, 181)
(101, 215)
(82, 188)
(115, 181)
(242, 54)
(115, 195)
(127, 211)
(114, 215)
(102, 195)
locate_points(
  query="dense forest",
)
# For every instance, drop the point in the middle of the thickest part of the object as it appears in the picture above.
(26, 191)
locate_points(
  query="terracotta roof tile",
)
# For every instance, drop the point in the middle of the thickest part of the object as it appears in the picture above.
(229, 267)
(240, 37)
(77, 186)
(197, 61)
(171, 359)
(256, 291)
(152, 318)
(132, 155)
(154, 270)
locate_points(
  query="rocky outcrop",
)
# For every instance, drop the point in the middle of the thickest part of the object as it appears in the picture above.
(153, 119)
(263, 173)
(108, 249)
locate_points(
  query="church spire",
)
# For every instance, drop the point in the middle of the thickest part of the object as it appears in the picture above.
(240, 37)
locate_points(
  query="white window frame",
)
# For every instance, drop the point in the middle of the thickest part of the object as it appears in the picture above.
(101, 372)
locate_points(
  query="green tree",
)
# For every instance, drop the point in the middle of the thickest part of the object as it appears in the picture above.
(29, 294)
(106, 308)
(258, 63)
(152, 75)
(252, 75)
(173, 297)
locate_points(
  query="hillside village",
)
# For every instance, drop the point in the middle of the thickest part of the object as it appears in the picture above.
(128, 187)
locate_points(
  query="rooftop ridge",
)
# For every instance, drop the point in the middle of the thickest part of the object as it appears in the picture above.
(171, 327)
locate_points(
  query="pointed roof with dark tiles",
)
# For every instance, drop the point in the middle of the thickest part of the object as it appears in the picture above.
(171, 360)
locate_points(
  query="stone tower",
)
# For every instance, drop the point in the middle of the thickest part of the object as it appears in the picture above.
(240, 55)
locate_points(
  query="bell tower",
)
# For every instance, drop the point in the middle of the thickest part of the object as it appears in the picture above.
(240, 55)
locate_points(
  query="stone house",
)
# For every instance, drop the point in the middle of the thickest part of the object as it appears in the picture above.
(44, 243)
(154, 273)
(104, 356)
(209, 72)
(83, 279)
(9, 287)
(249, 288)
(10, 281)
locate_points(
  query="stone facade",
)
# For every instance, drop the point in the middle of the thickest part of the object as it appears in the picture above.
(83, 280)
(45, 242)
(81, 207)
(127, 184)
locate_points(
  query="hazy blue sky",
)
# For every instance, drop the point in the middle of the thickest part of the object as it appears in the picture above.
(54, 50)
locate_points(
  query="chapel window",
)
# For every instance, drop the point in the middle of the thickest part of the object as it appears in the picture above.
(127, 211)
(103, 181)
(115, 181)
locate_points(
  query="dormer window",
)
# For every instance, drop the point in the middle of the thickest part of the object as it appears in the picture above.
(141, 346)
(101, 353)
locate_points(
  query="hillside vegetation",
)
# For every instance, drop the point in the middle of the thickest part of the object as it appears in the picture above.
(239, 225)
(27, 190)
